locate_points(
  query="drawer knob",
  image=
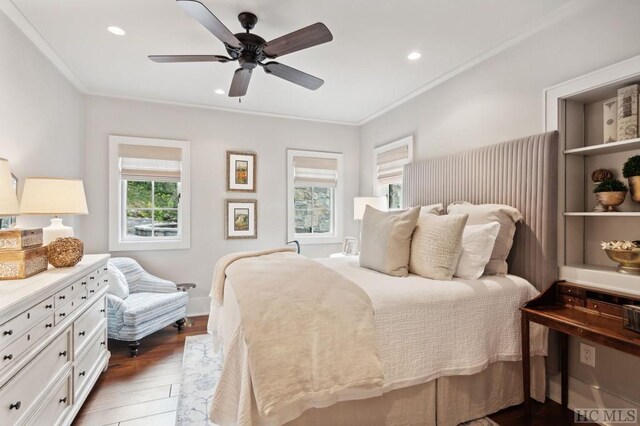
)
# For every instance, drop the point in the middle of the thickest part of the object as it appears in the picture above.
(8, 333)
(570, 291)
(63, 353)
(92, 291)
(48, 306)
(82, 373)
(9, 357)
(102, 343)
(92, 278)
(102, 310)
(81, 333)
(62, 297)
(84, 297)
(48, 325)
(16, 406)
(62, 314)
(83, 283)
(63, 400)
(595, 306)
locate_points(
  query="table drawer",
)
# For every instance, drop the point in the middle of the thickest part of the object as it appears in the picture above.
(55, 406)
(572, 291)
(96, 284)
(86, 366)
(20, 394)
(12, 353)
(604, 308)
(571, 300)
(13, 329)
(86, 324)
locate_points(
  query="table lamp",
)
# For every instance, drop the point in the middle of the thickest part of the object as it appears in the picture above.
(8, 199)
(359, 206)
(54, 197)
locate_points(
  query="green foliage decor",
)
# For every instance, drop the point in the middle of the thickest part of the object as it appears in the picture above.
(631, 167)
(611, 185)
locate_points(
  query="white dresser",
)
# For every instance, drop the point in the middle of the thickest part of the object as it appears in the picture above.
(53, 342)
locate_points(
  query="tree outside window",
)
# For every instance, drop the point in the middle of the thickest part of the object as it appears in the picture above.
(152, 209)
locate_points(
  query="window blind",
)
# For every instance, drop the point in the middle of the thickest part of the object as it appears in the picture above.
(314, 171)
(389, 165)
(150, 163)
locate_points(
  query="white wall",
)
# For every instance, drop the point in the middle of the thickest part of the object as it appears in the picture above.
(211, 134)
(40, 114)
(502, 99)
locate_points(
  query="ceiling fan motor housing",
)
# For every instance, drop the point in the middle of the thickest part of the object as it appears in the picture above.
(252, 52)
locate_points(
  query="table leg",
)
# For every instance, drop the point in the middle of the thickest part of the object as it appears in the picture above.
(564, 367)
(526, 367)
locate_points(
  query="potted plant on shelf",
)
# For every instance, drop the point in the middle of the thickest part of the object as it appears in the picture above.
(611, 193)
(631, 170)
(598, 176)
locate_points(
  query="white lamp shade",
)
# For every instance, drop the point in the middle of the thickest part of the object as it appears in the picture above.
(361, 203)
(8, 199)
(51, 196)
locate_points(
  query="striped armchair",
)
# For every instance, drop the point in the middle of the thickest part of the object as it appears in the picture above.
(139, 303)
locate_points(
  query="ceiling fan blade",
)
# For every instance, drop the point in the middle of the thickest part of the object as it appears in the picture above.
(304, 38)
(293, 75)
(188, 58)
(203, 15)
(240, 82)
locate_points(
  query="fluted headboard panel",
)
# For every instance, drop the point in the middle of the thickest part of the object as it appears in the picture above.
(521, 173)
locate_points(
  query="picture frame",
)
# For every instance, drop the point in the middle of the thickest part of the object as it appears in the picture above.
(350, 246)
(241, 171)
(9, 222)
(241, 219)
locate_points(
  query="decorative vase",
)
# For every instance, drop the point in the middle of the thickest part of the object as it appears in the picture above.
(628, 260)
(634, 188)
(610, 200)
(598, 207)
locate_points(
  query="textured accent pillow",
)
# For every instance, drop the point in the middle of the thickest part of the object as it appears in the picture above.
(386, 240)
(477, 246)
(435, 246)
(432, 209)
(118, 285)
(506, 216)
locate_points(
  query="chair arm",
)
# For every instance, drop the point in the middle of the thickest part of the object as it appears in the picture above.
(151, 284)
(116, 305)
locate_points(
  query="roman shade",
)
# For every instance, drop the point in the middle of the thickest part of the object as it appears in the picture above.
(315, 171)
(389, 164)
(150, 163)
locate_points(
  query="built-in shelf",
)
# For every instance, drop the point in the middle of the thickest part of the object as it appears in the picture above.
(603, 214)
(604, 278)
(606, 148)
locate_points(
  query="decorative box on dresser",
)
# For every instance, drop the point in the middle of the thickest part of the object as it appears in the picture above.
(53, 342)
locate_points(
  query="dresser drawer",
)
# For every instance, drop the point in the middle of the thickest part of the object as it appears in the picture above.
(14, 328)
(54, 406)
(68, 293)
(96, 284)
(19, 395)
(572, 300)
(86, 366)
(604, 308)
(12, 353)
(572, 291)
(86, 324)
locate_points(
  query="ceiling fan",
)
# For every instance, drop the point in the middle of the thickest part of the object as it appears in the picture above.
(251, 50)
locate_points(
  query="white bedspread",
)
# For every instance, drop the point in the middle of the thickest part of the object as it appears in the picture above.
(425, 329)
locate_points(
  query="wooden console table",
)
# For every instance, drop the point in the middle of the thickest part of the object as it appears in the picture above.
(572, 309)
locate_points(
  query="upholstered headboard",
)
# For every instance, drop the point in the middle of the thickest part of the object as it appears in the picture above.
(521, 173)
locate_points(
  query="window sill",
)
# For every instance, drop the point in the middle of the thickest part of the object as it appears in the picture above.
(318, 240)
(149, 245)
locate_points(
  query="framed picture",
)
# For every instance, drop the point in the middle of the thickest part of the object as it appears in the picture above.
(241, 219)
(10, 221)
(241, 171)
(350, 246)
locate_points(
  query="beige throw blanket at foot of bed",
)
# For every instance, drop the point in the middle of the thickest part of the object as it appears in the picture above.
(309, 333)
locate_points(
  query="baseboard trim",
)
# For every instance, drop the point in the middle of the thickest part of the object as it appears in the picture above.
(584, 395)
(198, 306)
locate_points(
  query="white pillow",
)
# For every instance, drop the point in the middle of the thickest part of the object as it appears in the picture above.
(432, 209)
(118, 285)
(477, 246)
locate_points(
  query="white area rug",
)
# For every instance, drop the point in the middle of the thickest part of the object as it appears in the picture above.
(201, 368)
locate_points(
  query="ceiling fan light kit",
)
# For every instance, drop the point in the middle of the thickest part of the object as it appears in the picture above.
(251, 50)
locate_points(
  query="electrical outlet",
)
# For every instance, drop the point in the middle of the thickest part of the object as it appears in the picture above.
(587, 355)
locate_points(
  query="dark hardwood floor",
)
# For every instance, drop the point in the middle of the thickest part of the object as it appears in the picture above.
(143, 391)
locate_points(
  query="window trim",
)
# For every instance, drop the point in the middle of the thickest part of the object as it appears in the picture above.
(408, 141)
(117, 198)
(338, 196)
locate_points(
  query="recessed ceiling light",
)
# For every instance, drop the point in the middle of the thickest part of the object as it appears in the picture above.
(414, 55)
(116, 30)
(219, 91)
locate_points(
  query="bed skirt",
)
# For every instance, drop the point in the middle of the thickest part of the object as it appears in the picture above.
(443, 402)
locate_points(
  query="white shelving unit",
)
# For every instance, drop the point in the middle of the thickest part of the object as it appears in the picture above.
(574, 108)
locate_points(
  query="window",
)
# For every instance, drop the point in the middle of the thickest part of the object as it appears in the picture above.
(149, 194)
(389, 161)
(314, 197)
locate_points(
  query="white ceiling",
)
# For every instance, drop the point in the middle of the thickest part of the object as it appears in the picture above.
(365, 67)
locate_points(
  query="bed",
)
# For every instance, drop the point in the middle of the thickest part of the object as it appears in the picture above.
(449, 350)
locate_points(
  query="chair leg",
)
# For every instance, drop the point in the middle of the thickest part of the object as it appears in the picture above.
(180, 324)
(133, 348)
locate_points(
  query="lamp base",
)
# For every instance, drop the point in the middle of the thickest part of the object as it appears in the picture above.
(55, 230)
